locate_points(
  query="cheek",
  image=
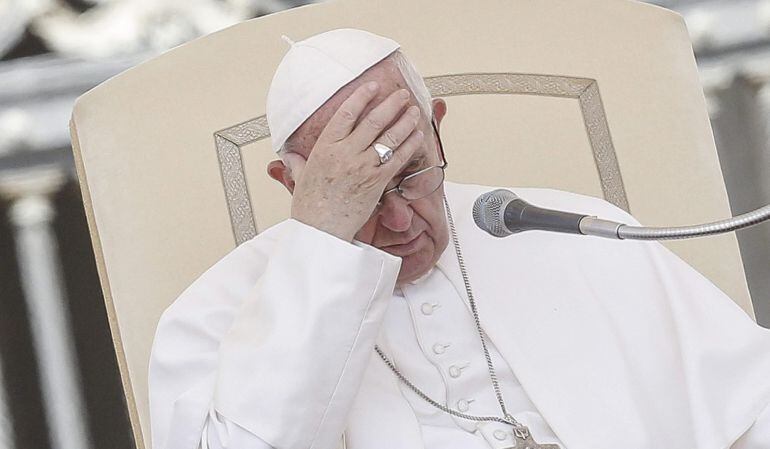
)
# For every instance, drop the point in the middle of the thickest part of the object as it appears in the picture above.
(431, 210)
(438, 228)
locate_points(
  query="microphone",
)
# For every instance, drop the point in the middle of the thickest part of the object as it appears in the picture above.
(502, 213)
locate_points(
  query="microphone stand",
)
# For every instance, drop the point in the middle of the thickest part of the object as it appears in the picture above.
(605, 228)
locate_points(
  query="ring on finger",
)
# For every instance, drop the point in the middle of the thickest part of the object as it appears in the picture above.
(384, 151)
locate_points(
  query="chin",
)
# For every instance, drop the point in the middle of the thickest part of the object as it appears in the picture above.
(416, 265)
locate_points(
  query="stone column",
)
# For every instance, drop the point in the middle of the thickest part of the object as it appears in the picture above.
(31, 214)
(760, 80)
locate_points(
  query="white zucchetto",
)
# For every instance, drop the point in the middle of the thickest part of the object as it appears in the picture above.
(313, 70)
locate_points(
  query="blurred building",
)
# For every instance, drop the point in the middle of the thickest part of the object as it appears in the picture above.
(732, 45)
(59, 384)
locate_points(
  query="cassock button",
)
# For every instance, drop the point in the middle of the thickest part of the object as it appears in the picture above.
(464, 404)
(500, 434)
(427, 308)
(440, 348)
(455, 371)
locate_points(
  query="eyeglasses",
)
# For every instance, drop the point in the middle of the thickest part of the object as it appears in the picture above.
(424, 182)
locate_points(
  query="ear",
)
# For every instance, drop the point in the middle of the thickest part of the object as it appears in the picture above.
(439, 110)
(278, 171)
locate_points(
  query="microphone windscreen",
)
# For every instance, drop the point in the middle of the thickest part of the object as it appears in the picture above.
(489, 210)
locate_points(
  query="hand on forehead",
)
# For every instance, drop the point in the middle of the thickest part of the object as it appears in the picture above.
(387, 76)
(339, 184)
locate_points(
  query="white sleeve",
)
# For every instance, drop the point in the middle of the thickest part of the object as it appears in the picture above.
(285, 369)
(758, 435)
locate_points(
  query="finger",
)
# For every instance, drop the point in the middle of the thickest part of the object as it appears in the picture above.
(296, 164)
(378, 119)
(394, 136)
(400, 131)
(345, 118)
(403, 155)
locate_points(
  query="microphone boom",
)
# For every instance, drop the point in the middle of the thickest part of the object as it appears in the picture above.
(502, 213)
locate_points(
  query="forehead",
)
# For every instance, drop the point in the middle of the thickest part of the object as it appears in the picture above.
(386, 73)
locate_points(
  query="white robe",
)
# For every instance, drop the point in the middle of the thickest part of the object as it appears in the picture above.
(617, 344)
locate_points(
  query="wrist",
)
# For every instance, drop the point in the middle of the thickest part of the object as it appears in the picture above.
(329, 225)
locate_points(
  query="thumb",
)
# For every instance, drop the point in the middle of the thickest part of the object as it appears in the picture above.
(296, 164)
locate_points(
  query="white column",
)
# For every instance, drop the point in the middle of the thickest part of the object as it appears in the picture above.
(762, 84)
(31, 214)
(715, 81)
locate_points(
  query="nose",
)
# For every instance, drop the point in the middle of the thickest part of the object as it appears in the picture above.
(395, 213)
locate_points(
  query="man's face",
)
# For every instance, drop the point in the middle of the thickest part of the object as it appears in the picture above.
(415, 230)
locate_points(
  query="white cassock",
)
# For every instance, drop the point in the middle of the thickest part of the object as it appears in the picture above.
(599, 344)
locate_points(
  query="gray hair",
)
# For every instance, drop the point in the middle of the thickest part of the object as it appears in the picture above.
(414, 82)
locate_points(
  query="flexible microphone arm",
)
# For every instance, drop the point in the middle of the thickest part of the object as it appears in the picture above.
(502, 213)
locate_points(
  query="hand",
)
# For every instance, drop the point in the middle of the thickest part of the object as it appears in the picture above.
(338, 187)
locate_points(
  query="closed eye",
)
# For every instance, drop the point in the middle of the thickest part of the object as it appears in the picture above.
(414, 166)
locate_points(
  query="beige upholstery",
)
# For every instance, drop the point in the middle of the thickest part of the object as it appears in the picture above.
(599, 97)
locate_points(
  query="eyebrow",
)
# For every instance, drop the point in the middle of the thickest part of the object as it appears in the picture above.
(415, 162)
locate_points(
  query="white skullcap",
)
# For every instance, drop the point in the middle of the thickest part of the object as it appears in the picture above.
(313, 70)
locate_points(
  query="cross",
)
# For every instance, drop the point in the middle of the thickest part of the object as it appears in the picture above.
(524, 440)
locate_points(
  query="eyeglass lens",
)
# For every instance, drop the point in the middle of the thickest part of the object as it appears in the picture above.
(421, 184)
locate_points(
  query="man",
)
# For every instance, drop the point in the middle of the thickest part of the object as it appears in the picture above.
(379, 316)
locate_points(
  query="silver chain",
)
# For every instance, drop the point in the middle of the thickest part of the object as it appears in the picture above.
(507, 418)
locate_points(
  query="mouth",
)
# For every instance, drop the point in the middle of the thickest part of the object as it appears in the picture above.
(405, 249)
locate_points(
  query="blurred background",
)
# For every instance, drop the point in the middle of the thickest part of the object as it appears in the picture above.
(59, 382)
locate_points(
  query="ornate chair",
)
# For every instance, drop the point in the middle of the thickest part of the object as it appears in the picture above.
(599, 97)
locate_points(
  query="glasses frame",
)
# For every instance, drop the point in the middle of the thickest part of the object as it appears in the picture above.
(443, 166)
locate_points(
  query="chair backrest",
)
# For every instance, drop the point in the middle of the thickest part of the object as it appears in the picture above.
(599, 97)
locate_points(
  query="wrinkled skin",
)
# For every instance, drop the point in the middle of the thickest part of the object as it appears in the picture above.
(336, 180)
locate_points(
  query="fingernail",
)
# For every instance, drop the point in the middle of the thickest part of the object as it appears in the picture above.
(404, 94)
(414, 111)
(372, 86)
(420, 134)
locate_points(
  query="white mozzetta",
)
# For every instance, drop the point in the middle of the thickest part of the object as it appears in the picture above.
(613, 343)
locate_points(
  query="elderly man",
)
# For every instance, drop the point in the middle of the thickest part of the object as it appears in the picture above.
(379, 316)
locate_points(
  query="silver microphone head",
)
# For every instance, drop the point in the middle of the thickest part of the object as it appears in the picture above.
(488, 211)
